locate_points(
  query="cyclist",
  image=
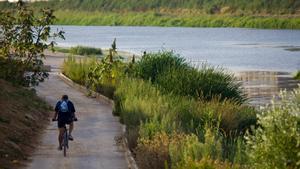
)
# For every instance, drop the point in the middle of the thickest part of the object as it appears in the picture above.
(64, 114)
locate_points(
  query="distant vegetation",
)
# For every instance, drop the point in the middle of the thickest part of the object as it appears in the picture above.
(158, 19)
(279, 14)
(207, 6)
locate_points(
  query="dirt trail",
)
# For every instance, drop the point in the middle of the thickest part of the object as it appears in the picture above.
(94, 145)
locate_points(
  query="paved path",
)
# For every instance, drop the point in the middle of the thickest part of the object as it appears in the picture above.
(94, 146)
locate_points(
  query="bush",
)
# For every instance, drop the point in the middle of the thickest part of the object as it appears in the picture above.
(276, 143)
(24, 35)
(12, 67)
(170, 72)
(83, 50)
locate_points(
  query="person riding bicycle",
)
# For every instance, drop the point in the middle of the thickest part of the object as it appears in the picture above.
(64, 114)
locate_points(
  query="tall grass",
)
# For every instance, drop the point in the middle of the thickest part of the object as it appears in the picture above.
(84, 50)
(170, 72)
(78, 69)
(161, 19)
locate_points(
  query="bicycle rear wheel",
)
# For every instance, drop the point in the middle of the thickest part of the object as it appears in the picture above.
(65, 143)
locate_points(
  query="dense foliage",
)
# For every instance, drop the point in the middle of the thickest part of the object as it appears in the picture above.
(174, 75)
(23, 39)
(276, 143)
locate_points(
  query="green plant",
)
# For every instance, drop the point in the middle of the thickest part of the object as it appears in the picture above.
(78, 69)
(276, 142)
(297, 75)
(170, 72)
(83, 50)
(106, 73)
(24, 35)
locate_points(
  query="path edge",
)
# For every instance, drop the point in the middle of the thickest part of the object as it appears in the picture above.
(128, 155)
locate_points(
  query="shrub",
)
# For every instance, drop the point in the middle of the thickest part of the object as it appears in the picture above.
(170, 72)
(83, 50)
(276, 143)
(24, 35)
(153, 64)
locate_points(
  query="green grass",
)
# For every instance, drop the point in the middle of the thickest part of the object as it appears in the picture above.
(173, 75)
(84, 50)
(77, 70)
(80, 50)
(160, 19)
(62, 50)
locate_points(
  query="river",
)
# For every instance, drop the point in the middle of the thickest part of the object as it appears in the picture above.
(261, 59)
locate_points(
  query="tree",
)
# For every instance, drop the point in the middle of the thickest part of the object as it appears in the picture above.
(24, 36)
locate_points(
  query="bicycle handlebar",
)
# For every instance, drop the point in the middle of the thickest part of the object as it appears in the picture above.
(75, 119)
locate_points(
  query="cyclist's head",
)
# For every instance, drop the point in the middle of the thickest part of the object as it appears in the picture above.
(64, 97)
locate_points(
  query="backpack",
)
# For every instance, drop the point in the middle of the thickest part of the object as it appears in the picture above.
(63, 107)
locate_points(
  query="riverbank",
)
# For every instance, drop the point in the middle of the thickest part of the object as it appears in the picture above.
(22, 118)
(173, 20)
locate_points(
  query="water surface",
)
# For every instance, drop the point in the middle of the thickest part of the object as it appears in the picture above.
(236, 49)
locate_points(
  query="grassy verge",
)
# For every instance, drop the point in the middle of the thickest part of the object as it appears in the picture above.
(162, 19)
(23, 115)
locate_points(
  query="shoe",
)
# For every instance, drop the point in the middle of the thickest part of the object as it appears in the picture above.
(59, 148)
(71, 138)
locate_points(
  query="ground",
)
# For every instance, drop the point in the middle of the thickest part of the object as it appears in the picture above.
(22, 117)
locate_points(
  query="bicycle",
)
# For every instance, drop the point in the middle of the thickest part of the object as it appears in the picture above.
(65, 141)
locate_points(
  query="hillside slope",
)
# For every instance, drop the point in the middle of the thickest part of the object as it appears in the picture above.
(22, 117)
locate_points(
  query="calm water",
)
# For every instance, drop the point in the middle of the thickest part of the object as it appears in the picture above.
(259, 58)
(232, 48)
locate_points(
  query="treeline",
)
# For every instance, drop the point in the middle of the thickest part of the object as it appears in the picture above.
(207, 6)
